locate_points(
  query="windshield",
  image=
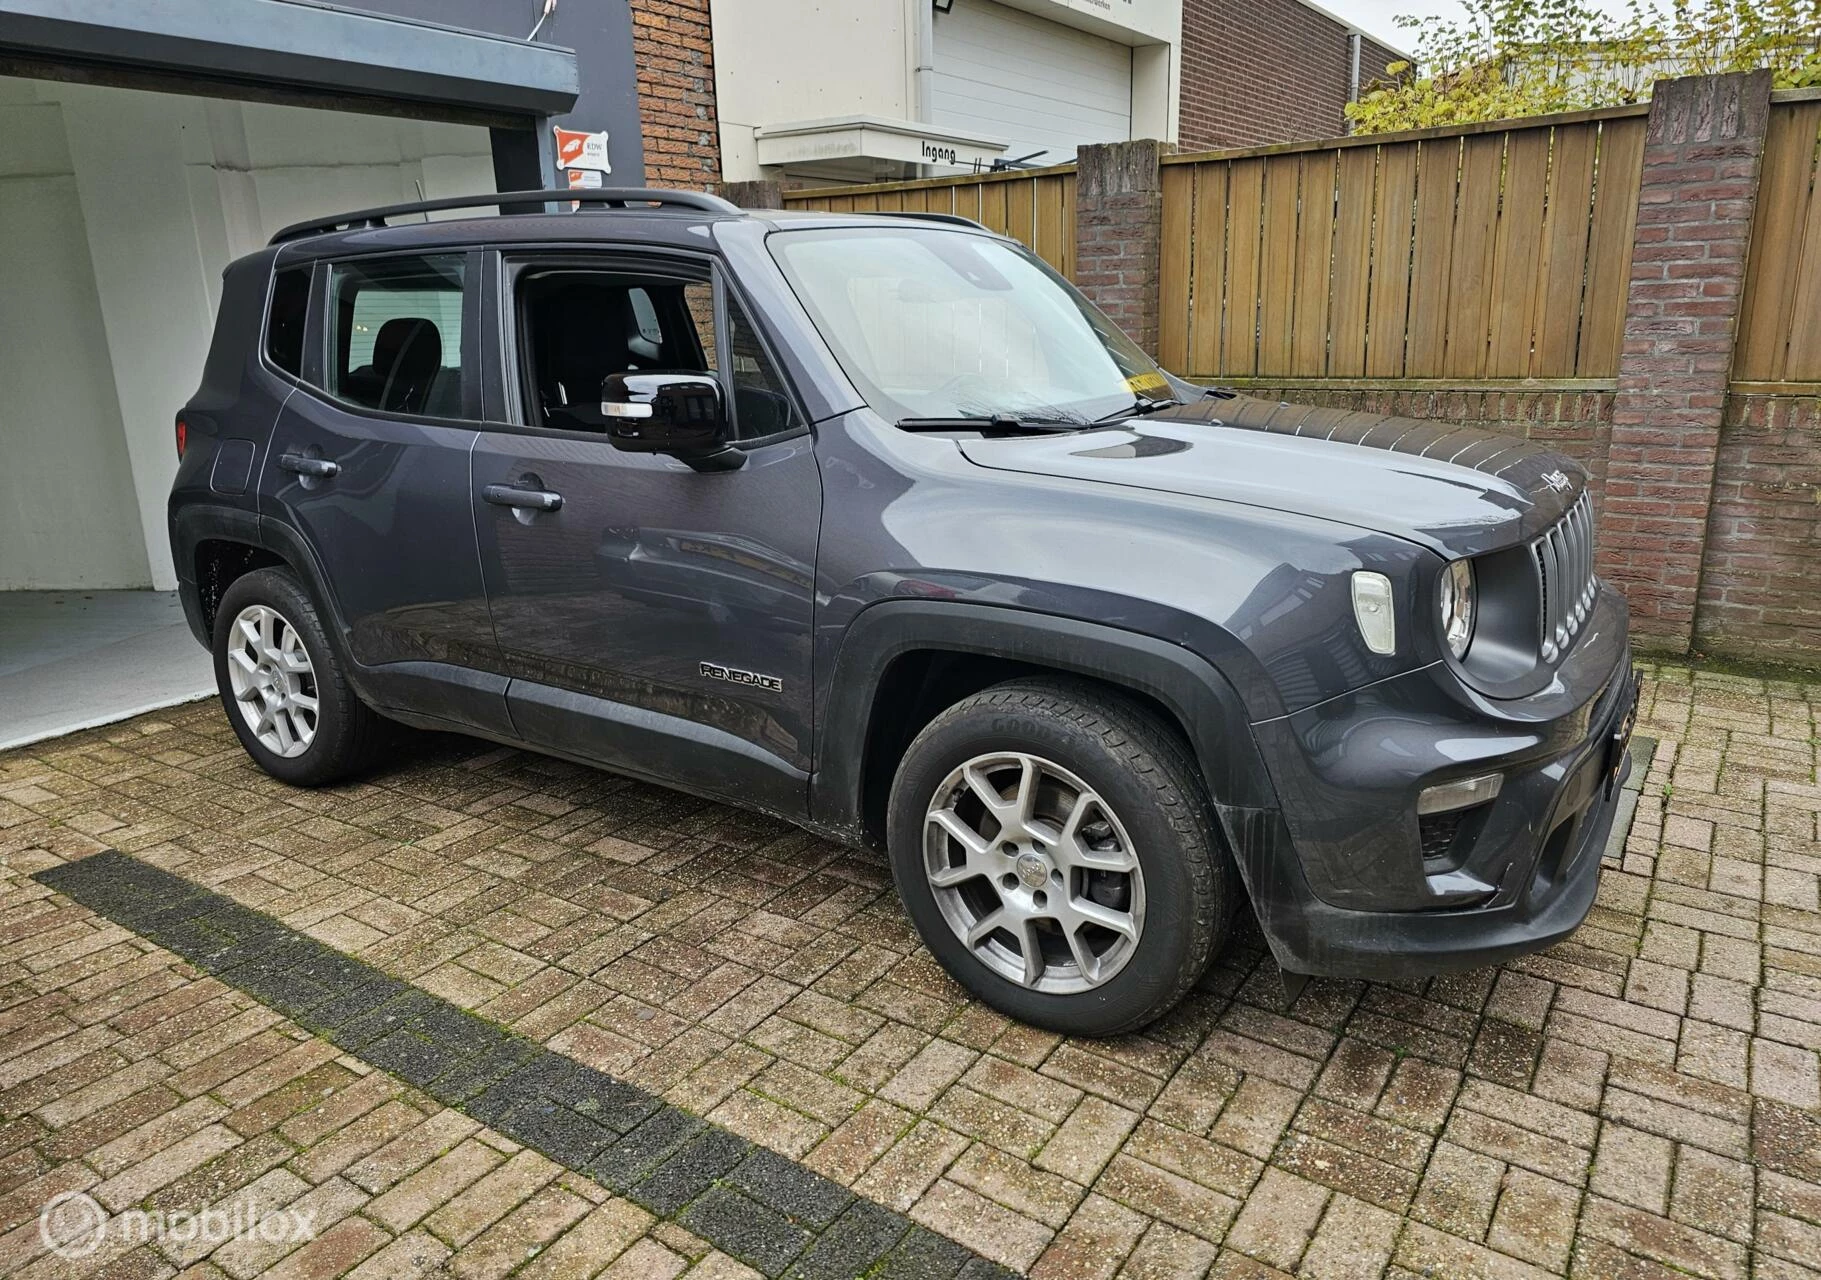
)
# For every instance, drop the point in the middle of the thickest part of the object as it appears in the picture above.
(931, 323)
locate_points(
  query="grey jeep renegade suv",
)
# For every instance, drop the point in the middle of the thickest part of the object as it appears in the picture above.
(875, 524)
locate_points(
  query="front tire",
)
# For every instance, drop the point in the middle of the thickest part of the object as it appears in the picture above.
(1054, 847)
(282, 686)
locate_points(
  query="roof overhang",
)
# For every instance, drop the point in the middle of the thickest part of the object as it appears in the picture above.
(314, 48)
(874, 140)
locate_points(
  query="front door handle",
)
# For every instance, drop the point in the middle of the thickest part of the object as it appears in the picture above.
(505, 495)
(321, 468)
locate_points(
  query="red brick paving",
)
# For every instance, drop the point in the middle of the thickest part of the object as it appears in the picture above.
(1643, 1100)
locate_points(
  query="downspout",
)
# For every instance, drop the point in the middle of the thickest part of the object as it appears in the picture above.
(1353, 43)
(925, 77)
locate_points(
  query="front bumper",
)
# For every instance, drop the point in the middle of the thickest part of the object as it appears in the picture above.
(1338, 874)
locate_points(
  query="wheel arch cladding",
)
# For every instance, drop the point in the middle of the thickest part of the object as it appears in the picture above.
(219, 562)
(212, 546)
(904, 661)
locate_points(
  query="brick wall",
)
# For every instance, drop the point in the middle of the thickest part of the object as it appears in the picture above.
(1118, 233)
(1702, 151)
(674, 55)
(1761, 579)
(1256, 71)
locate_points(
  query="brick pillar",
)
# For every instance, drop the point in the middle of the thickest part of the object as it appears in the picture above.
(1702, 149)
(761, 193)
(1119, 233)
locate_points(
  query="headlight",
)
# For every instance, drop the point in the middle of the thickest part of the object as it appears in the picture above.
(1458, 607)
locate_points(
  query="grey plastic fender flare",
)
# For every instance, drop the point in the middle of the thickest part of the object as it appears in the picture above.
(1202, 700)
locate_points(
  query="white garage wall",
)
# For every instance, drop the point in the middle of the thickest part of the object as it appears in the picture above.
(167, 190)
(347, 161)
(68, 514)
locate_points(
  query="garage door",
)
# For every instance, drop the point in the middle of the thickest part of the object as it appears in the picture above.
(1041, 86)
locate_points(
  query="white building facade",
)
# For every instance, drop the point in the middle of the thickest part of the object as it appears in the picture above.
(868, 90)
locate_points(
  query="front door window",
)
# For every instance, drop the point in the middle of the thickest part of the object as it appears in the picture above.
(578, 327)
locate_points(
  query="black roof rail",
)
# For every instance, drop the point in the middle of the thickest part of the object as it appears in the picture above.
(954, 218)
(613, 197)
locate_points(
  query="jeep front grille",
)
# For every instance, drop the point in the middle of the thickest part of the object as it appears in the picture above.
(1564, 562)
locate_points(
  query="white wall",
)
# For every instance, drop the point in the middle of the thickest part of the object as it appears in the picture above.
(785, 61)
(158, 193)
(68, 514)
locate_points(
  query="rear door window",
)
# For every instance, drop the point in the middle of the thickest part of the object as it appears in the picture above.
(395, 335)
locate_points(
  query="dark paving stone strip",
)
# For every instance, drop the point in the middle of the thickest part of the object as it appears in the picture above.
(750, 1202)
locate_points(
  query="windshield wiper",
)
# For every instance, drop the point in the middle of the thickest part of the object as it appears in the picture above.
(992, 422)
(1139, 407)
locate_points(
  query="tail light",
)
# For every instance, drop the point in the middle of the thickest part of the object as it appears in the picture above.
(183, 438)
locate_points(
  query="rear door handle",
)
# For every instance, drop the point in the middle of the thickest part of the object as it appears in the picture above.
(504, 495)
(321, 468)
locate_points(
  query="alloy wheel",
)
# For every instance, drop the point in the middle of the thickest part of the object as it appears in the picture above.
(1034, 872)
(273, 680)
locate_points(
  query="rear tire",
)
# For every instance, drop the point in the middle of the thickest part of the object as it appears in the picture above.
(1053, 844)
(282, 686)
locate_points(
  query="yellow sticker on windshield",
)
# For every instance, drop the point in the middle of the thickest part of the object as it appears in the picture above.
(1143, 384)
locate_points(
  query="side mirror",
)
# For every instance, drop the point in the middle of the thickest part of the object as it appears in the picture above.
(681, 414)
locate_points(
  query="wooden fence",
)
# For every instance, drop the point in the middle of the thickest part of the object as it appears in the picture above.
(1780, 316)
(1475, 252)
(1034, 206)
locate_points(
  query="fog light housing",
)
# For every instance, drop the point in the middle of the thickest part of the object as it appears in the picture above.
(1372, 610)
(1462, 793)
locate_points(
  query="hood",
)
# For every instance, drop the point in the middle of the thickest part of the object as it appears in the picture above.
(1456, 490)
